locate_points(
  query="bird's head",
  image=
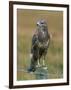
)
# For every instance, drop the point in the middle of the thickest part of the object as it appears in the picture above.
(41, 25)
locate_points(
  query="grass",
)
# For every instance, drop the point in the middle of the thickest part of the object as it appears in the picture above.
(25, 28)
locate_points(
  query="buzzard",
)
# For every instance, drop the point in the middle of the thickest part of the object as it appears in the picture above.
(40, 44)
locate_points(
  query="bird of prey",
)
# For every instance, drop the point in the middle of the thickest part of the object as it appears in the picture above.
(40, 44)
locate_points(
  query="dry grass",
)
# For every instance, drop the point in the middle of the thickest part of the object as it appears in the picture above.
(26, 25)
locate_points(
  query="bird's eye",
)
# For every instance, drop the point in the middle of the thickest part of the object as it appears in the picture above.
(37, 24)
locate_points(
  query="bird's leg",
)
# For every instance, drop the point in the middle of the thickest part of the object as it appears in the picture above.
(38, 62)
(43, 62)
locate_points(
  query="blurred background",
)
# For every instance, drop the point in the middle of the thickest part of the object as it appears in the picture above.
(26, 26)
